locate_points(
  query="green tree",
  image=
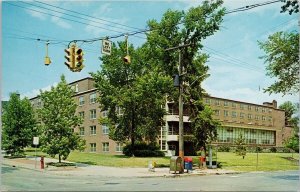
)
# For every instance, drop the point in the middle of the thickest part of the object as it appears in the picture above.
(282, 59)
(204, 127)
(292, 6)
(59, 120)
(240, 146)
(133, 94)
(292, 119)
(186, 28)
(19, 125)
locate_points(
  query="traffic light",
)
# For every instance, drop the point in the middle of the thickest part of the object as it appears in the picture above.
(78, 59)
(70, 63)
(127, 59)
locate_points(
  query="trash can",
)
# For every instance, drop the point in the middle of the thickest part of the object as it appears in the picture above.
(176, 164)
(188, 163)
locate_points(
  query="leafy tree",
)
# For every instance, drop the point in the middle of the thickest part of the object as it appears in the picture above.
(204, 127)
(293, 121)
(58, 121)
(292, 6)
(19, 125)
(133, 94)
(282, 59)
(240, 146)
(186, 28)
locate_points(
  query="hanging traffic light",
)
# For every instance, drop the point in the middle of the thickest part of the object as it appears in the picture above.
(70, 63)
(127, 59)
(78, 59)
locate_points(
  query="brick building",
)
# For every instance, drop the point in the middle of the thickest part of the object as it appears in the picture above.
(260, 124)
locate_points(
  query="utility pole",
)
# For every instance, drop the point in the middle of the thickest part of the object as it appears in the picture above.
(180, 102)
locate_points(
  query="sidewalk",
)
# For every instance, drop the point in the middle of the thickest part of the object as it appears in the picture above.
(93, 170)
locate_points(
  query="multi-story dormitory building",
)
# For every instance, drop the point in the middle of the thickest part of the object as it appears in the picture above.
(262, 125)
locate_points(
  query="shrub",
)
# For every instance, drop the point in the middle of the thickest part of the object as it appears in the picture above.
(273, 149)
(224, 148)
(142, 149)
(258, 149)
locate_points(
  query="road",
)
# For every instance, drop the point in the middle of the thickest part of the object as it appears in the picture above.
(20, 179)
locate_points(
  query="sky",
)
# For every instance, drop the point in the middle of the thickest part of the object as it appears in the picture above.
(236, 71)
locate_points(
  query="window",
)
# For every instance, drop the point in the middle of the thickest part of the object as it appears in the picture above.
(81, 114)
(256, 108)
(81, 100)
(105, 147)
(93, 114)
(249, 107)
(81, 131)
(119, 110)
(93, 130)
(249, 116)
(256, 117)
(263, 110)
(104, 113)
(263, 118)
(93, 147)
(207, 101)
(39, 103)
(242, 106)
(226, 103)
(242, 115)
(105, 129)
(119, 147)
(270, 119)
(270, 110)
(234, 105)
(93, 98)
(225, 113)
(233, 114)
(217, 102)
(217, 112)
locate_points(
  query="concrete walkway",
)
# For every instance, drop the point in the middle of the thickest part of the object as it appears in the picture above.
(92, 170)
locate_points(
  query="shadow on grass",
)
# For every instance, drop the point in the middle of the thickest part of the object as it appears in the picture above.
(8, 169)
(85, 163)
(62, 164)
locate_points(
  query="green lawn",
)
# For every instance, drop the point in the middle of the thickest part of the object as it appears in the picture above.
(228, 160)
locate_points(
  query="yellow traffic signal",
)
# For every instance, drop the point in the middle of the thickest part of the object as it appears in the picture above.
(70, 63)
(78, 59)
(127, 59)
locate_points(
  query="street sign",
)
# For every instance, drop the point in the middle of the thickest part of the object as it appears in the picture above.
(106, 47)
(35, 140)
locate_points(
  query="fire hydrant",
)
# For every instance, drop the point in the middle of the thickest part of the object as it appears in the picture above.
(42, 162)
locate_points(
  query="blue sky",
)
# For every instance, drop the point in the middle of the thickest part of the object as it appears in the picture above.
(235, 68)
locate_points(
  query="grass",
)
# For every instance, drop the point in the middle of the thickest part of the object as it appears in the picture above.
(228, 160)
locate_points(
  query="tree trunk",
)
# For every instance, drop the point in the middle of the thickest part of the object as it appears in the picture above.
(59, 158)
(132, 128)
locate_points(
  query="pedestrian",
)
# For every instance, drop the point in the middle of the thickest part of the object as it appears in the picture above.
(202, 158)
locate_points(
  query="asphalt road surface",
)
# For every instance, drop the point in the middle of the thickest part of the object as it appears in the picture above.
(20, 179)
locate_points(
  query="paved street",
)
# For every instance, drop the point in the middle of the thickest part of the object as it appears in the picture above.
(17, 178)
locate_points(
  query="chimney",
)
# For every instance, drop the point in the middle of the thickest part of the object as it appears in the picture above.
(274, 104)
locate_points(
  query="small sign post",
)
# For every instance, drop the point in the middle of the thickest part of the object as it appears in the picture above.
(106, 47)
(35, 142)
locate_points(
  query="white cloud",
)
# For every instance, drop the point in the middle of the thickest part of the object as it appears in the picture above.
(60, 22)
(36, 92)
(249, 95)
(36, 14)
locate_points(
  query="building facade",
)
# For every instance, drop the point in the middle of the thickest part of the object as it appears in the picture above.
(260, 124)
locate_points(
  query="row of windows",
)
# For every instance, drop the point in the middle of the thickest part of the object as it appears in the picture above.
(93, 114)
(92, 130)
(105, 147)
(251, 136)
(234, 114)
(92, 99)
(234, 105)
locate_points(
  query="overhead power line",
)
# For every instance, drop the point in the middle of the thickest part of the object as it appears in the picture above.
(88, 15)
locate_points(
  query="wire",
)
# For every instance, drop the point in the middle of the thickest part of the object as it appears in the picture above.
(88, 15)
(62, 17)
